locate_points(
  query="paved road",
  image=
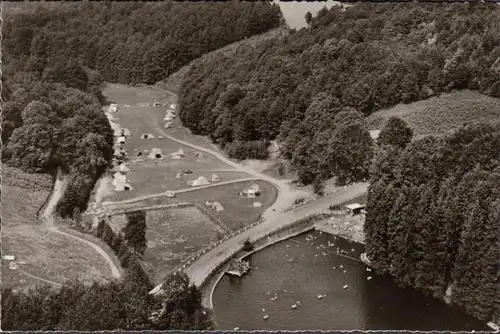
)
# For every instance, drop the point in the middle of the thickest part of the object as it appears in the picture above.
(200, 269)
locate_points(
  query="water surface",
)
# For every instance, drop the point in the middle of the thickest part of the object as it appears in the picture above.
(300, 270)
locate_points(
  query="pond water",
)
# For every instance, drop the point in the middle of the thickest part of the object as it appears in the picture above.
(298, 270)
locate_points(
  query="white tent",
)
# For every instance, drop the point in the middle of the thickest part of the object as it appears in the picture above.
(178, 155)
(168, 125)
(113, 107)
(124, 169)
(178, 176)
(9, 257)
(173, 106)
(155, 154)
(215, 178)
(217, 207)
(201, 181)
(257, 204)
(121, 140)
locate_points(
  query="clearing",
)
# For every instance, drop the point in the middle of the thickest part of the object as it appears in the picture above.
(42, 256)
(439, 115)
(173, 236)
(238, 211)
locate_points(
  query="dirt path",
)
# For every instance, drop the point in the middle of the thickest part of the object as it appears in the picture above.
(48, 219)
(39, 278)
(185, 190)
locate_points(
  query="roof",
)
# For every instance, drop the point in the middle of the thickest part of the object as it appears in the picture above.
(374, 134)
(354, 206)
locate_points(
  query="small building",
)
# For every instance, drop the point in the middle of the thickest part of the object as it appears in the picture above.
(374, 134)
(355, 208)
(9, 257)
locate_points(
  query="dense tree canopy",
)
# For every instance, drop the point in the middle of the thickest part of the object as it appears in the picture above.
(127, 42)
(368, 57)
(433, 216)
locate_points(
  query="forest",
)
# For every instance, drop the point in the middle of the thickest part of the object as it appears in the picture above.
(433, 217)
(363, 58)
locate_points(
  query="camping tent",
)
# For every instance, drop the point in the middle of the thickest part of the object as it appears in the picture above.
(215, 178)
(113, 107)
(201, 181)
(178, 155)
(155, 154)
(121, 140)
(124, 169)
(217, 207)
(168, 125)
(173, 106)
(178, 176)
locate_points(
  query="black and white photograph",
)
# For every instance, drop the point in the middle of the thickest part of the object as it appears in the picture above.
(250, 165)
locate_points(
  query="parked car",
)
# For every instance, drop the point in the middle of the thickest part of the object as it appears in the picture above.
(188, 171)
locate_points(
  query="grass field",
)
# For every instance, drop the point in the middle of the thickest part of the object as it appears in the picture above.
(45, 254)
(173, 236)
(238, 211)
(147, 178)
(439, 115)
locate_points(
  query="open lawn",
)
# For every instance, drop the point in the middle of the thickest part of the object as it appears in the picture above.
(38, 251)
(439, 115)
(173, 236)
(147, 178)
(238, 211)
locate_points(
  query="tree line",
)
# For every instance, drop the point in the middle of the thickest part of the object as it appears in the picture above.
(433, 217)
(365, 58)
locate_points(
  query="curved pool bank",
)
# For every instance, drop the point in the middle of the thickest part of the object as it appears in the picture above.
(297, 270)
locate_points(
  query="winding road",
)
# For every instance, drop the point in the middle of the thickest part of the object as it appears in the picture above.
(48, 219)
